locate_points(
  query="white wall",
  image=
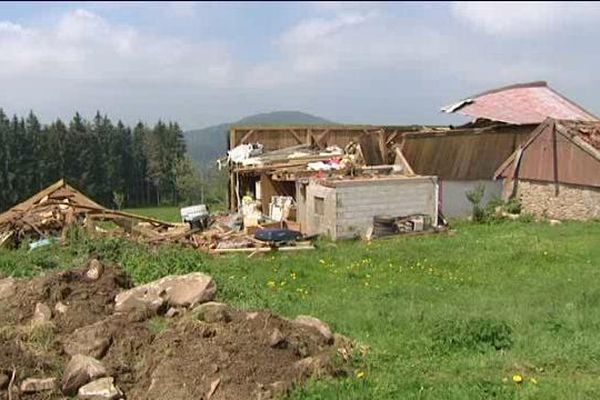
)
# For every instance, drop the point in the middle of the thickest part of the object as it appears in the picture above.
(453, 199)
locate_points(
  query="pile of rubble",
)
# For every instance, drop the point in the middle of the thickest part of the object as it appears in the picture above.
(87, 333)
(48, 215)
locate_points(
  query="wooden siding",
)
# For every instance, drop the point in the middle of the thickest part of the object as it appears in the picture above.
(554, 157)
(463, 155)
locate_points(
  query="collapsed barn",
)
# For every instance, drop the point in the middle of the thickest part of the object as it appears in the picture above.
(286, 160)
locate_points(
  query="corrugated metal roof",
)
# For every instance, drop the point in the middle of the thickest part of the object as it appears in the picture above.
(526, 103)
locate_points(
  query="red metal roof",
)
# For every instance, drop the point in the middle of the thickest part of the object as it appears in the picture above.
(526, 103)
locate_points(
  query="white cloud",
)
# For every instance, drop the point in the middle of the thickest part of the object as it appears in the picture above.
(519, 18)
(84, 46)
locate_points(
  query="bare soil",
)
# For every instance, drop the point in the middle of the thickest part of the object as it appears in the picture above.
(152, 357)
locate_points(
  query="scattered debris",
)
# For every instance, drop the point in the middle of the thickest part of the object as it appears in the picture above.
(47, 216)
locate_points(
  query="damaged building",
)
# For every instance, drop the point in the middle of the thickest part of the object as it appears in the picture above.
(400, 167)
(556, 172)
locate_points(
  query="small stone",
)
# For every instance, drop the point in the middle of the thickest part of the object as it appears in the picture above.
(32, 385)
(41, 314)
(212, 312)
(95, 270)
(173, 312)
(60, 308)
(100, 389)
(7, 288)
(277, 340)
(317, 324)
(4, 381)
(79, 371)
(251, 316)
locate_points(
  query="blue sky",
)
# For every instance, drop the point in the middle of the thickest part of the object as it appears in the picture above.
(206, 63)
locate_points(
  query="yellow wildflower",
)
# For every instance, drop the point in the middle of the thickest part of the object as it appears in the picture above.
(517, 378)
(360, 374)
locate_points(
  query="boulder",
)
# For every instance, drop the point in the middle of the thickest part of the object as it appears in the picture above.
(173, 290)
(7, 288)
(92, 340)
(41, 314)
(79, 371)
(32, 385)
(100, 389)
(317, 324)
(212, 312)
(95, 270)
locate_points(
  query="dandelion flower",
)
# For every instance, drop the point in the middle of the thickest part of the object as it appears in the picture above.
(517, 378)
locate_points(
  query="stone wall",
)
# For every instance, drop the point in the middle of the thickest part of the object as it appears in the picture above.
(572, 202)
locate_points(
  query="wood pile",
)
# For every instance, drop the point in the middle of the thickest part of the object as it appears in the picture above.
(50, 213)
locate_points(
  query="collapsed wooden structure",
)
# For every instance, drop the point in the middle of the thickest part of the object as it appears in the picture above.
(50, 214)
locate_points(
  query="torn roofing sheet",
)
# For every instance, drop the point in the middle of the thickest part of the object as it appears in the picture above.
(526, 103)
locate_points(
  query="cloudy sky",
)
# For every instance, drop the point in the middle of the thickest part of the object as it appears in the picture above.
(206, 63)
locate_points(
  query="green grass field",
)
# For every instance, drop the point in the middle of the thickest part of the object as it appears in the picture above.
(169, 214)
(445, 317)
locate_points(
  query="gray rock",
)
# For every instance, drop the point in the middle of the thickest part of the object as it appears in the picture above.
(7, 288)
(41, 314)
(79, 371)
(277, 340)
(100, 389)
(317, 324)
(212, 312)
(32, 385)
(92, 340)
(173, 290)
(95, 270)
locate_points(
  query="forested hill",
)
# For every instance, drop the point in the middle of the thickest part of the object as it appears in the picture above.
(106, 160)
(206, 145)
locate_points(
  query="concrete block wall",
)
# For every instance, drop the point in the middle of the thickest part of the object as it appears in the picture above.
(572, 202)
(359, 203)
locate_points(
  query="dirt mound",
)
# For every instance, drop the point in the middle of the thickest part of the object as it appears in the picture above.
(211, 352)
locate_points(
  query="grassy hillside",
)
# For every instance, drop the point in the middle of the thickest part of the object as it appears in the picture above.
(208, 144)
(444, 317)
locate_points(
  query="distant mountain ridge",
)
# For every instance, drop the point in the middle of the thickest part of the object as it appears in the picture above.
(207, 144)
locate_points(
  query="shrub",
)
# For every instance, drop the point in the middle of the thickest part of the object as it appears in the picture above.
(475, 196)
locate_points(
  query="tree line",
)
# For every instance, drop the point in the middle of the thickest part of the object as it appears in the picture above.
(112, 163)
